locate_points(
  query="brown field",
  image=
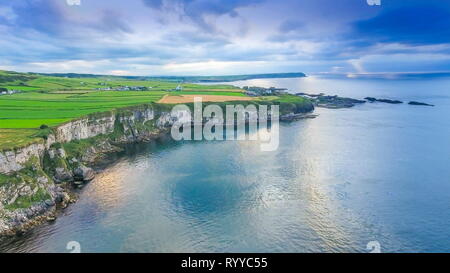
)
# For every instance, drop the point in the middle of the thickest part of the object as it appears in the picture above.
(169, 99)
(215, 90)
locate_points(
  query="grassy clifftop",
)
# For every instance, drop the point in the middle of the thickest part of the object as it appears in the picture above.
(51, 101)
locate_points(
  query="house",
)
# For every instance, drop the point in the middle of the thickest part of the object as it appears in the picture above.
(104, 89)
(124, 88)
(138, 88)
(10, 92)
(179, 88)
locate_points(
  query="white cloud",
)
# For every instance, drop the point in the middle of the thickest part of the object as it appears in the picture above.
(357, 65)
(211, 67)
(129, 37)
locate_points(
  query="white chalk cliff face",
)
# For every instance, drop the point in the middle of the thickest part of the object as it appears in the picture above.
(87, 128)
(84, 128)
(14, 160)
(33, 179)
(41, 159)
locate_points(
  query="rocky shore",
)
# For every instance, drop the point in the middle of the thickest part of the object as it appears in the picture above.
(331, 102)
(336, 102)
(39, 180)
(294, 117)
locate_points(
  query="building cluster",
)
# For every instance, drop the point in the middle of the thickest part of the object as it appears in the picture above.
(9, 92)
(124, 88)
(255, 91)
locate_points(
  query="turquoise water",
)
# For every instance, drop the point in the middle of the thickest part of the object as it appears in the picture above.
(376, 172)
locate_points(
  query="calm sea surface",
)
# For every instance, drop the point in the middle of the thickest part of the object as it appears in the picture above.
(376, 172)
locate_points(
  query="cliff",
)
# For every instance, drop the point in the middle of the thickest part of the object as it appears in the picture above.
(37, 179)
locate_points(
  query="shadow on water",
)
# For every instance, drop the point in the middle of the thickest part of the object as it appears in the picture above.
(30, 240)
(200, 192)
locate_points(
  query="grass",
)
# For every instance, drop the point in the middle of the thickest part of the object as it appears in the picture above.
(290, 99)
(215, 93)
(31, 110)
(22, 114)
(21, 88)
(54, 100)
(33, 82)
(24, 202)
(10, 138)
(77, 148)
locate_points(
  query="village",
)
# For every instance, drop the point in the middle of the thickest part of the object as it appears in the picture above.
(124, 88)
(133, 88)
(255, 91)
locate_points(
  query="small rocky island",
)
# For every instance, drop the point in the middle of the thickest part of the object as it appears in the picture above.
(372, 100)
(419, 103)
(331, 102)
(336, 102)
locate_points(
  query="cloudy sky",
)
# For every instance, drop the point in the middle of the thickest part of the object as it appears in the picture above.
(211, 37)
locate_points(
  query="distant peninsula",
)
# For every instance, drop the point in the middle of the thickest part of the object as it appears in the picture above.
(193, 79)
(232, 78)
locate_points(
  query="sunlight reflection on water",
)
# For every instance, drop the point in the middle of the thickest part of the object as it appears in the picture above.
(374, 172)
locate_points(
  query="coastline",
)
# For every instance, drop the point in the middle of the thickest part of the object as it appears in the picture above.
(68, 192)
(64, 161)
(45, 175)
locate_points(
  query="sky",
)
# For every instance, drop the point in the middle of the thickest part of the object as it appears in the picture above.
(224, 37)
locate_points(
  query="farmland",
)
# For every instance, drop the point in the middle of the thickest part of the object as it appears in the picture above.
(47, 100)
(36, 82)
(51, 101)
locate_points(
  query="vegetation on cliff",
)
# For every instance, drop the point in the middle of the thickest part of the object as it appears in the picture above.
(51, 101)
(32, 191)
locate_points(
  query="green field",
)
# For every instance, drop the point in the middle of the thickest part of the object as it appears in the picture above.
(51, 101)
(54, 100)
(30, 109)
(35, 82)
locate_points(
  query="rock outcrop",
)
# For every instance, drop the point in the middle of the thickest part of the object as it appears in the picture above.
(14, 160)
(419, 103)
(36, 179)
(370, 99)
(83, 173)
(331, 102)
